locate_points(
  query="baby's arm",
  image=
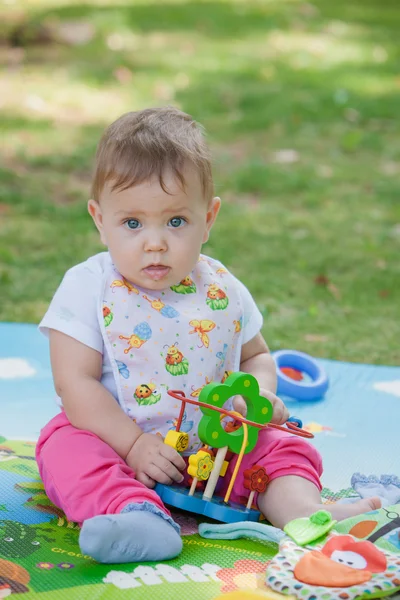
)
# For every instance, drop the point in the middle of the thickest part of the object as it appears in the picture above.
(257, 360)
(87, 403)
(90, 406)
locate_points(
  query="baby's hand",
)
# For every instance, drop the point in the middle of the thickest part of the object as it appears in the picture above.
(239, 405)
(155, 462)
(281, 413)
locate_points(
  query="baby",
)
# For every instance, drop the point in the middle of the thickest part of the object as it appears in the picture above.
(151, 314)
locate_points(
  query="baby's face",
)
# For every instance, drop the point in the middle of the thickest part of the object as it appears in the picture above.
(155, 238)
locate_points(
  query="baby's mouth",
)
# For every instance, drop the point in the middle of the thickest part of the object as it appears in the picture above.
(156, 272)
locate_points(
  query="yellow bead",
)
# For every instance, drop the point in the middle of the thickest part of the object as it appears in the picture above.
(224, 468)
(178, 440)
(200, 465)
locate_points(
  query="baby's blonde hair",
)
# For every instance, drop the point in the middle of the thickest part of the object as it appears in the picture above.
(147, 143)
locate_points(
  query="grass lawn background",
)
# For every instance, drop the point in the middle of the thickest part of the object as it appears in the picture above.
(301, 104)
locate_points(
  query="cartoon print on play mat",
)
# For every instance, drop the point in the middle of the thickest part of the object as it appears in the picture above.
(39, 501)
(18, 540)
(13, 579)
(7, 454)
(390, 387)
(16, 368)
(159, 574)
(245, 573)
(317, 428)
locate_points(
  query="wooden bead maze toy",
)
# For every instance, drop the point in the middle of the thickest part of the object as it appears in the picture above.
(210, 462)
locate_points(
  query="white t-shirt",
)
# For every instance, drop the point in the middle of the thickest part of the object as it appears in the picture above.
(73, 311)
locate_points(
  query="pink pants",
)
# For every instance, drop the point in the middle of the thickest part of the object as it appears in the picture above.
(84, 477)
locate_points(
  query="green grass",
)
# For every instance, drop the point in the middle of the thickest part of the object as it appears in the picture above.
(317, 240)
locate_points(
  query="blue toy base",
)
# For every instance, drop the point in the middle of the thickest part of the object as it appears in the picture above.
(174, 495)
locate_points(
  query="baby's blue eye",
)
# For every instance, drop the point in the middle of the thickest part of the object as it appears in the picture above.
(177, 222)
(132, 223)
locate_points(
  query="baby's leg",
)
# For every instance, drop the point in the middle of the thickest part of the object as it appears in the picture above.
(294, 468)
(292, 496)
(122, 520)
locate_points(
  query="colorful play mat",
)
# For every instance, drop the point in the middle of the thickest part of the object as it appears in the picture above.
(356, 428)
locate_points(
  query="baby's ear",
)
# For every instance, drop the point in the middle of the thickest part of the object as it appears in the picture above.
(212, 212)
(94, 211)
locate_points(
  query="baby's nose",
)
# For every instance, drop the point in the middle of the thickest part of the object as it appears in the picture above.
(155, 242)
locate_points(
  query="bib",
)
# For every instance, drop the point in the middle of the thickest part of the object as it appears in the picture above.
(180, 338)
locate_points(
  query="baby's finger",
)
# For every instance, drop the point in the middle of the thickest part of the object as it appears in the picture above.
(273, 398)
(239, 405)
(158, 475)
(286, 414)
(281, 413)
(167, 467)
(173, 456)
(146, 480)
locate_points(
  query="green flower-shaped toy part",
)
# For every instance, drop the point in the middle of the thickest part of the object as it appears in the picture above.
(259, 410)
